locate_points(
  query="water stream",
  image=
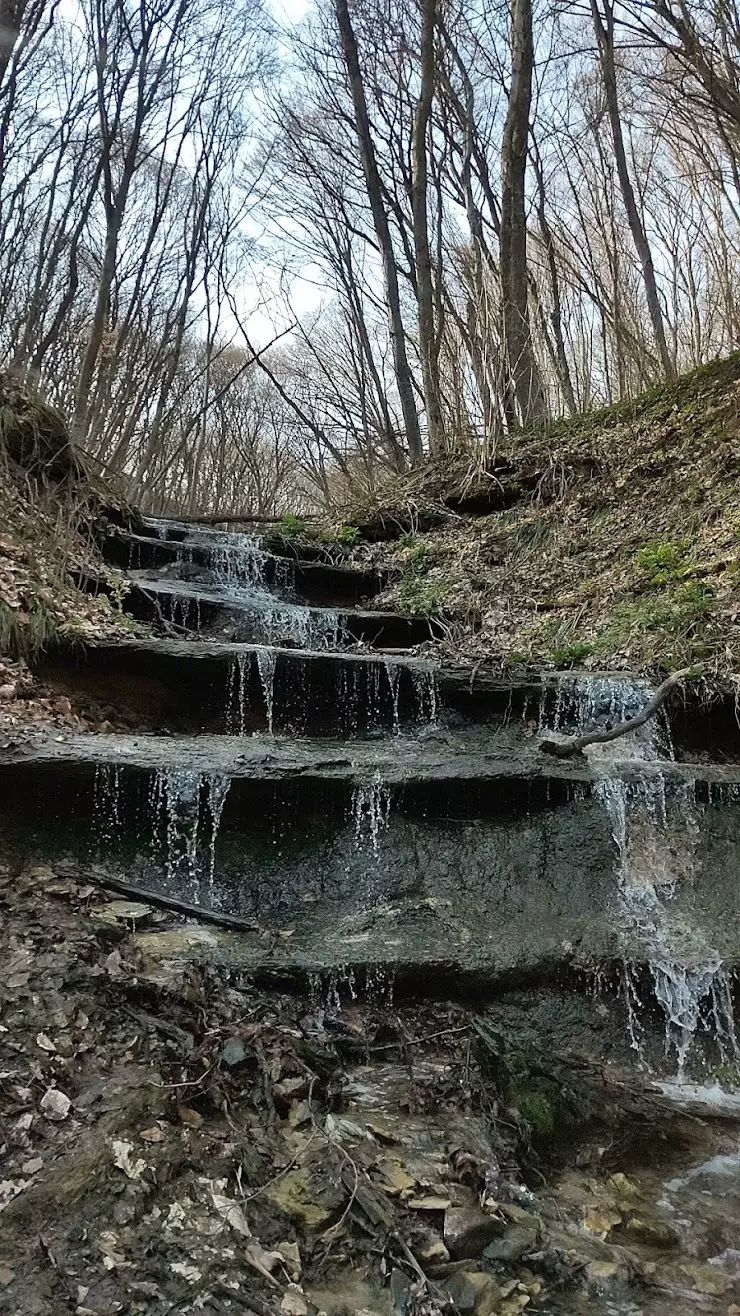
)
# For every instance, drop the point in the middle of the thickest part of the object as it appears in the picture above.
(656, 835)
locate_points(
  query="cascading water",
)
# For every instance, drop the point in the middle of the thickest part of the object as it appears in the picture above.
(186, 809)
(371, 807)
(656, 837)
(266, 662)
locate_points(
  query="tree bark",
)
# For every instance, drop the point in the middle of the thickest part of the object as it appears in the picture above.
(604, 29)
(382, 232)
(526, 398)
(428, 340)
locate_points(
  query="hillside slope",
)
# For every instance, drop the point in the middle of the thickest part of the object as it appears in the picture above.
(614, 539)
(49, 561)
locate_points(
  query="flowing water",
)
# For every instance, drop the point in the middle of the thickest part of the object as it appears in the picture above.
(656, 833)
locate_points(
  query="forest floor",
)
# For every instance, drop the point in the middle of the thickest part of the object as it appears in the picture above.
(175, 1143)
(605, 541)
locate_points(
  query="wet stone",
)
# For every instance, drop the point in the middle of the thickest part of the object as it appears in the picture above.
(467, 1231)
(473, 1291)
(516, 1242)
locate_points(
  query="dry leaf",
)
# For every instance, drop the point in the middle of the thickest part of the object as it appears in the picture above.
(154, 1134)
(600, 1220)
(133, 1169)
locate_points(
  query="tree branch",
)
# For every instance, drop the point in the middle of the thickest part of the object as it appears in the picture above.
(565, 749)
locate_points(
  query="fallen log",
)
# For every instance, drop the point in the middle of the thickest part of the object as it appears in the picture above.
(139, 893)
(575, 745)
(229, 518)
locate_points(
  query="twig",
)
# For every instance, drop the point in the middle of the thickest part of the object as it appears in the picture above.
(565, 749)
(172, 626)
(169, 902)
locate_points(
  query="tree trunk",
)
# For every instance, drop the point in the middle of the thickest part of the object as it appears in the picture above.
(428, 340)
(604, 29)
(526, 398)
(382, 232)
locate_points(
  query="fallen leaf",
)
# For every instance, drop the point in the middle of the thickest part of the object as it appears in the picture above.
(6, 1276)
(33, 1166)
(231, 1212)
(45, 1042)
(154, 1134)
(188, 1272)
(600, 1220)
(294, 1302)
(133, 1169)
(429, 1203)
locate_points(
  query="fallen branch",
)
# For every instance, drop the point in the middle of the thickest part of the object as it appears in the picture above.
(229, 518)
(565, 749)
(173, 627)
(169, 902)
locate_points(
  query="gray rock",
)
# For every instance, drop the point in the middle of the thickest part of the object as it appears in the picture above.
(474, 1292)
(467, 1230)
(516, 1242)
(234, 1053)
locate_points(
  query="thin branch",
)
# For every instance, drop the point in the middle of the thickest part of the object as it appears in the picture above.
(565, 749)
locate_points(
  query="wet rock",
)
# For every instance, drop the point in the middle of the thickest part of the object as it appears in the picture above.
(602, 1275)
(515, 1243)
(234, 1053)
(467, 1231)
(654, 1233)
(307, 1196)
(472, 1291)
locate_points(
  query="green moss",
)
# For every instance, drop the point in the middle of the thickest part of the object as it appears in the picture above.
(420, 596)
(538, 1114)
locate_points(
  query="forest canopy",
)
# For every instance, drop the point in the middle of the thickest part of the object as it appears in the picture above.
(265, 264)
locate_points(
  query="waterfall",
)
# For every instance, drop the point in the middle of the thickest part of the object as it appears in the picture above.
(688, 978)
(371, 807)
(266, 662)
(237, 693)
(425, 686)
(187, 808)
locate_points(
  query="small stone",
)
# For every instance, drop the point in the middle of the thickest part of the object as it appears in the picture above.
(516, 1242)
(431, 1203)
(33, 1166)
(6, 1276)
(473, 1291)
(467, 1230)
(601, 1273)
(655, 1233)
(55, 1105)
(234, 1053)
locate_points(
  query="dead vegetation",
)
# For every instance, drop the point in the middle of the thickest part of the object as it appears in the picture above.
(615, 542)
(49, 562)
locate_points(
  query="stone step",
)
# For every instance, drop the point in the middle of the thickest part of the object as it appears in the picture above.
(241, 616)
(477, 870)
(327, 583)
(197, 686)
